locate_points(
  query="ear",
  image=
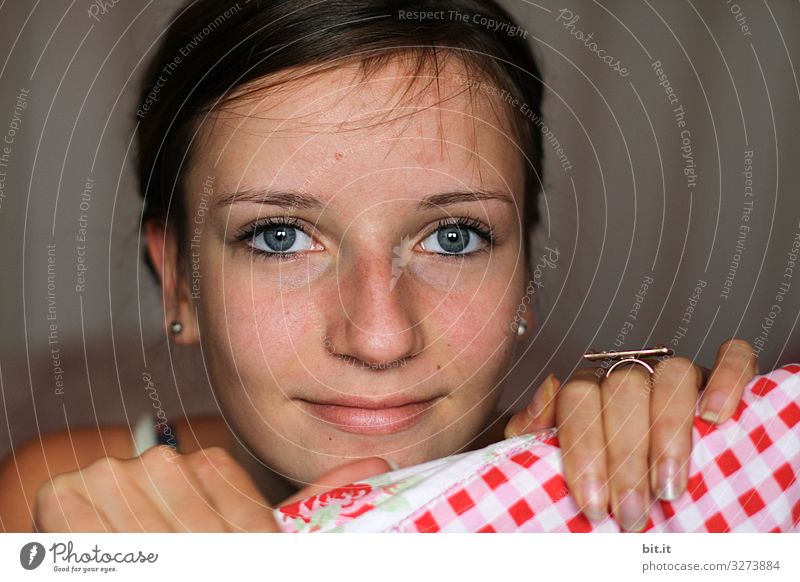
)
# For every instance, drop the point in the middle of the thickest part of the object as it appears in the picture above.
(163, 251)
(530, 317)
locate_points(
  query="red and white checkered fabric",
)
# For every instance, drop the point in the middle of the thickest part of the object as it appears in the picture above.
(743, 477)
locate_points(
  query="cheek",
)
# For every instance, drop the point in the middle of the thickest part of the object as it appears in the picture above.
(256, 328)
(472, 306)
(475, 354)
(480, 333)
(471, 334)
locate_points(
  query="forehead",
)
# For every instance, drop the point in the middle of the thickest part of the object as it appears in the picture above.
(334, 129)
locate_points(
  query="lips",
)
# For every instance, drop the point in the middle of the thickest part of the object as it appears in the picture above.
(368, 416)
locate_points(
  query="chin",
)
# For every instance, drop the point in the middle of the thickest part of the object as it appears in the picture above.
(314, 446)
(430, 438)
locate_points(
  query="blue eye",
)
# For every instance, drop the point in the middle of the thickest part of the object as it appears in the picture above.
(278, 238)
(456, 239)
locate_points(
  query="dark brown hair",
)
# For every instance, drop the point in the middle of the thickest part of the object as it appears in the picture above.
(214, 48)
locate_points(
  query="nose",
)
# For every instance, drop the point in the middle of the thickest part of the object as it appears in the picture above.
(376, 323)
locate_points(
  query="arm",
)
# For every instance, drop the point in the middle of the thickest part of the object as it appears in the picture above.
(163, 491)
(27, 468)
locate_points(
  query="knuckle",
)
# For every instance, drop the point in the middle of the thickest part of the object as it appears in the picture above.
(584, 459)
(592, 375)
(622, 454)
(52, 490)
(104, 471)
(212, 459)
(156, 457)
(623, 378)
(738, 345)
(217, 454)
(54, 499)
(627, 482)
(579, 384)
(678, 366)
(160, 465)
(46, 506)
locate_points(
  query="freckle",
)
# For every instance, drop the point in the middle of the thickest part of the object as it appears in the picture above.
(438, 366)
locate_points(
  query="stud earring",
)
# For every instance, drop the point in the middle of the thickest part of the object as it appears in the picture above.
(176, 327)
(522, 328)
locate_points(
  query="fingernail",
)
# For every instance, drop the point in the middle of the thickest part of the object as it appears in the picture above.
(393, 466)
(631, 511)
(592, 493)
(518, 423)
(670, 483)
(542, 397)
(713, 407)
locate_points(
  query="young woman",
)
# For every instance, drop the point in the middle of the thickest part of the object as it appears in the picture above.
(338, 198)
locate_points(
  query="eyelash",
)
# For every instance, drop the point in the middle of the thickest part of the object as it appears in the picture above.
(251, 231)
(469, 223)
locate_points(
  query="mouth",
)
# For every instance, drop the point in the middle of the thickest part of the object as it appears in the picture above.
(368, 416)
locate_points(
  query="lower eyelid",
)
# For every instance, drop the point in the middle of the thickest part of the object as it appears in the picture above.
(267, 256)
(278, 255)
(485, 248)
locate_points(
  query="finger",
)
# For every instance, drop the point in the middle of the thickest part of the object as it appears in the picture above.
(676, 383)
(540, 414)
(582, 442)
(137, 513)
(130, 510)
(61, 508)
(170, 483)
(342, 475)
(232, 492)
(626, 421)
(120, 503)
(735, 366)
(705, 374)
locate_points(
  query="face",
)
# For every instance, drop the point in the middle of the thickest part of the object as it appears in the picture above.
(355, 264)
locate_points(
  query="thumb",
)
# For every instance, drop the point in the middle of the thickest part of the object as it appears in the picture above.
(344, 474)
(540, 414)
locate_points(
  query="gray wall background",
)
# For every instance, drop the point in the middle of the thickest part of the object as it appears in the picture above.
(622, 214)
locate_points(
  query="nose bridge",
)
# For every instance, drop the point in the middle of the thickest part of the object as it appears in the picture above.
(379, 324)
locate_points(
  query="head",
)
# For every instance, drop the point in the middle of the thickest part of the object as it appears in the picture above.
(338, 201)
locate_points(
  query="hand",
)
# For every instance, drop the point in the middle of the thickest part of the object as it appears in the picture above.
(627, 435)
(162, 491)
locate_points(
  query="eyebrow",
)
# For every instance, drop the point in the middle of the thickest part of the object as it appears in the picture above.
(294, 199)
(450, 198)
(282, 198)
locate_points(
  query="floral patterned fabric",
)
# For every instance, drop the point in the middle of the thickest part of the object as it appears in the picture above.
(743, 477)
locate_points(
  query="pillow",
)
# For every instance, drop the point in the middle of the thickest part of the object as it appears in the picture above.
(743, 477)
